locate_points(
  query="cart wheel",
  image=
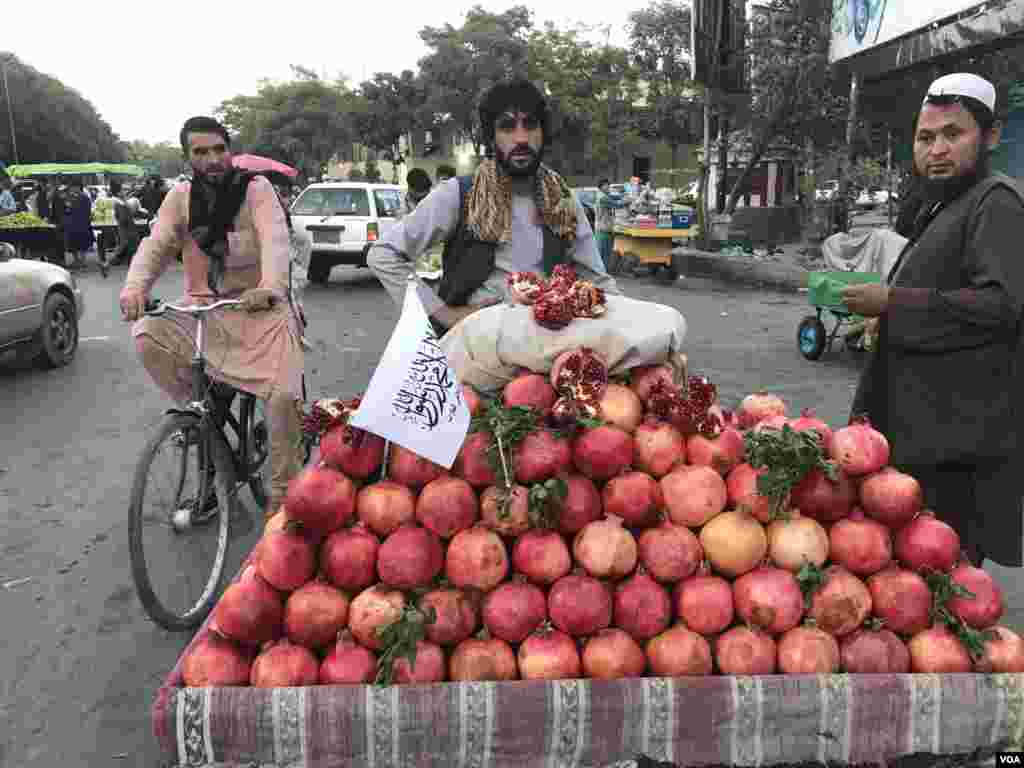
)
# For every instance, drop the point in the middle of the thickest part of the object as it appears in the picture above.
(667, 274)
(810, 337)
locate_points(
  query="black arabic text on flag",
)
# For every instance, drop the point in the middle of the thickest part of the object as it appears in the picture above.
(430, 395)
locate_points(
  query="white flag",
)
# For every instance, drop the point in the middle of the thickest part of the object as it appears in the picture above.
(415, 398)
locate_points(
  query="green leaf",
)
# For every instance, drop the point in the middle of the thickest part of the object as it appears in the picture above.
(399, 639)
(788, 456)
(810, 578)
(545, 501)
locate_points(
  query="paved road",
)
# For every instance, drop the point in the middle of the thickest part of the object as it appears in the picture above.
(80, 662)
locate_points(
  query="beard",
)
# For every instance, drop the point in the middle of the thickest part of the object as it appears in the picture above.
(519, 171)
(214, 181)
(947, 190)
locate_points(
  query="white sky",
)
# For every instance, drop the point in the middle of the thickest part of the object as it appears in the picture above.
(147, 67)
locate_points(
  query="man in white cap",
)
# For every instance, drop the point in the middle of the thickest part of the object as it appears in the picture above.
(944, 380)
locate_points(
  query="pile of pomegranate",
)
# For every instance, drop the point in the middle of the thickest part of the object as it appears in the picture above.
(559, 300)
(635, 540)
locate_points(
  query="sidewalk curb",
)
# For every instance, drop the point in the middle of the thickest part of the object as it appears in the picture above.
(735, 269)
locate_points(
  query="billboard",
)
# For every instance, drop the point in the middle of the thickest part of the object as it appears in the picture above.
(858, 25)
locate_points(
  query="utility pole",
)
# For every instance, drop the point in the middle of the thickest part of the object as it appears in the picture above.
(847, 165)
(10, 114)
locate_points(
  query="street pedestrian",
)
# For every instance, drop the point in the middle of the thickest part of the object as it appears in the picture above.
(944, 378)
(8, 206)
(418, 182)
(514, 215)
(231, 228)
(445, 172)
(127, 231)
(604, 221)
(78, 223)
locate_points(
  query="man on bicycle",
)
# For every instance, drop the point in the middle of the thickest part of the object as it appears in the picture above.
(231, 230)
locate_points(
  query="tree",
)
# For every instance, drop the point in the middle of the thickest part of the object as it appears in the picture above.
(164, 158)
(391, 109)
(52, 123)
(302, 122)
(464, 61)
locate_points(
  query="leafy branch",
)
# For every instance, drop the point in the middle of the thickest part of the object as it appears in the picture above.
(811, 578)
(399, 639)
(545, 500)
(788, 456)
(508, 426)
(944, 589)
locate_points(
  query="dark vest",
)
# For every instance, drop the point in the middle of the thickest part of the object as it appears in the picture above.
(468, 262)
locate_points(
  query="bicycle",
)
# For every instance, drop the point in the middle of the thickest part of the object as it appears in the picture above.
(220, 470)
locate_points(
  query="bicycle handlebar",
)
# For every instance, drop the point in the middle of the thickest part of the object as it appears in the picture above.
(155, 308)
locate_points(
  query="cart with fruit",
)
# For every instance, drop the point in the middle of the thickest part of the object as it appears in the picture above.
(29, 234)
(615, 566)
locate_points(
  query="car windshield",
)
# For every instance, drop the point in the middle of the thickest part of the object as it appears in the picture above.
(332, 202)
(389, 202)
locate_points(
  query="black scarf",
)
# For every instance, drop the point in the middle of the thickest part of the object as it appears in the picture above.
(212, 209)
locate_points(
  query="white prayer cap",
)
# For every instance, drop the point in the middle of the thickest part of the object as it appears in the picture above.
(965, 84)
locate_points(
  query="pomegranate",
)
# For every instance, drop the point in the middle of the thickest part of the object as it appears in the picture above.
(580, 374)
(874, 651)
(514, 610)
(446, 506)
(769, 598)
(745, 651)
(757, 407)
(542, 556)
(371, 610)
(721, 453)
(321, 498)
(611, 654)
(808, 650)
(772, 422)
(823, 499)
(530, 390)
(472, 463)
(741, 491)
(478, 659)
(580, 605)
(605, 549)
(891, 497)
(669, 552)
(927, 542)
(621, 407)
(540, 456)
(704, 603)
(936, 650)
(644, 378)
(582, 504)
(385, 505)
(602, 452)
(347, 662)
(679, 652)
(860, 545)
(860, 449)
(901, 599)
(476, 558)
(642, 606)
(355, 452)
(795, 541)
(1004, 651)
(455, 616)
(807, 421)
(348, 558)
(472, 399)
(215, 661)
(314, 614)
(693, 495)
(511, 518)
(410, 469)
(986, 608)
(410, 557)
(548, 654)
(285, 559)
(734, 542)
(658, 448)
(250, 611)
(633, 496)
(841, 604)
(430, 665)
(284, 665)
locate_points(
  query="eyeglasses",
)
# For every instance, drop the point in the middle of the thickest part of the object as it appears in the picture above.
(510, 122)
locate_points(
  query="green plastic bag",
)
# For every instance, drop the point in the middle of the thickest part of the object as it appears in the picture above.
(825, 289)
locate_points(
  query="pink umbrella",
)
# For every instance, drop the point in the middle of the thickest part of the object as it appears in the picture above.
(258, 163)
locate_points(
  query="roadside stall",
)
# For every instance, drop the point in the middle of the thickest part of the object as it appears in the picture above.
(646, 233)
(606, 564)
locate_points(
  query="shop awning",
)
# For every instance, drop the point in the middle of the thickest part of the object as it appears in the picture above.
(75, 169)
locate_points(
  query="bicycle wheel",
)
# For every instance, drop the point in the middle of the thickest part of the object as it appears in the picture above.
(177, 568)
(253, 414)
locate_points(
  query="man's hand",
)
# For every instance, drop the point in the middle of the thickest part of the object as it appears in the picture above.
(452, 316)
(258, 299)
(869, 300)
(133, 304)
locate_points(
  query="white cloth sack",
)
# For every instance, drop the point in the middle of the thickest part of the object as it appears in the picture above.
(873, 251)
(490, 347)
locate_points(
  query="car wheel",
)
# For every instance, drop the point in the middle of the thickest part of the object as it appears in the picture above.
(58, 336)
(319, 270)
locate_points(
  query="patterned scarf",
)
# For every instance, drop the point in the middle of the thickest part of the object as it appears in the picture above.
(488, 206)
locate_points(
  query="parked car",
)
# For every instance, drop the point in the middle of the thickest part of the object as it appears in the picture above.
(342, 220)
(40, 306)
(828, 190)
(872, 197)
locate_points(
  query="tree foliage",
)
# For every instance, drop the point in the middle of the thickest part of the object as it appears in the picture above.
(164, 158)
(52, 123)
(391, 107)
